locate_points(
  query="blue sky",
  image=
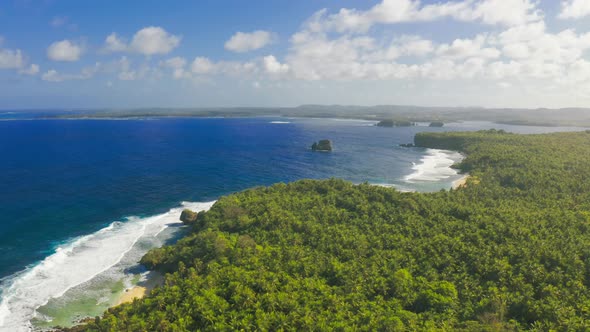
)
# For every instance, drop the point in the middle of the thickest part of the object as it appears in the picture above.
(121, 54)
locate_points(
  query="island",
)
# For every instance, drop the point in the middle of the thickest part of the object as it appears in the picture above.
(506, 252)
(324, 145)
(395, 123)
(436, 124)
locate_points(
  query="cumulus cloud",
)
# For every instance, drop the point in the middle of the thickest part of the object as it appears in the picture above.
(493, 12)
(15, 59)
(86, 73)
(273, 66)
(126, 73)
(248, 41)
(147, 41)
(64, 50)
(177, 64)
(342, 46)
(114, 44)
(466, 48)
(154, 40)
(11, 59)
(202, 65)
(574, 9)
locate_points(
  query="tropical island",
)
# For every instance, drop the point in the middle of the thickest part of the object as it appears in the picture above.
(507, 251)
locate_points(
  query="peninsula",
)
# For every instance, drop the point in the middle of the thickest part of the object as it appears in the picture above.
(505, 254)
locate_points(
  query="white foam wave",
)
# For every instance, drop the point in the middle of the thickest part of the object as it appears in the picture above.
(435, 166)
(280, 122)
(77, 262)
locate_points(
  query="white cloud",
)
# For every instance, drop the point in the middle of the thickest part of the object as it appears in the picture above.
(86, 73)
(493, 12)
(15, 59)
(147, 41)
(114, 44)
(125, 71)
(177, 64)
(574, 9)
(517, 51)
(248, 41)
(64, 50)
(272, 66)
(32, 70)
(465, 48)
(52, 76)
(506, 12)
(154, 40)
(11, 59)
(416, 47)
(202, 65)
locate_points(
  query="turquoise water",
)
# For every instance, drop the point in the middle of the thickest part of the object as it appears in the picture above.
(82, 200)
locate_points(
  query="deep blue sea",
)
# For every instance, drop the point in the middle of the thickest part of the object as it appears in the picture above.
(82, 198)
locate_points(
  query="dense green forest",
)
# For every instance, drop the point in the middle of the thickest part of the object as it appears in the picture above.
(510, 251)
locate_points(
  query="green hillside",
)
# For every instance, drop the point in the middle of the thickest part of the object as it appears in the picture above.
(511, 251)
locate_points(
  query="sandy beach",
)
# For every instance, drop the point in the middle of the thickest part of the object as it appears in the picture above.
(153, 279)
(460, 183)
(129, 295)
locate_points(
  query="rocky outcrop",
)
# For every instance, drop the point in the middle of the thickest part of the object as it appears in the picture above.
(437, 124)
(395, 123)
(188, 217)
(322, 145)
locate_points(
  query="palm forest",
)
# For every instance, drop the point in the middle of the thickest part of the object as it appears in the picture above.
(509, 251)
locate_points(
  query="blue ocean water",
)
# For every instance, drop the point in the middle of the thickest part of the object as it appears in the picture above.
(64, 179)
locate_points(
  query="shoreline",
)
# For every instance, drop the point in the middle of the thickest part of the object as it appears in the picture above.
(142, 289)
(461, 183)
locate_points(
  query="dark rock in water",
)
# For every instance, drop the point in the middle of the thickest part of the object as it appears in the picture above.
(436, 124)
(395, 123)
(323, 145)
(188, 217)
(407, 145)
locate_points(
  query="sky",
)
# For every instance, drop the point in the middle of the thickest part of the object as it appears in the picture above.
(270, 53)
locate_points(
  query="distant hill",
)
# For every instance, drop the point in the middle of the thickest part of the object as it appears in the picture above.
(541, 116)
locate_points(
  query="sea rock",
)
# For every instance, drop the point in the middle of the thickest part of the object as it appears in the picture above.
(322, 145)
(436, 124)
(188, 217)
(395, 123)
(407, 145)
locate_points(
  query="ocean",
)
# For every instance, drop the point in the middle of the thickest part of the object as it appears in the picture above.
(82, 200)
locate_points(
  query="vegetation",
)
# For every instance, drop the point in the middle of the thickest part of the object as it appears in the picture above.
(533, 117)
(322, 145)
(510, 253)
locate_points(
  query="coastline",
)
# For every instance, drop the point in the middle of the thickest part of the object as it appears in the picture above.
(461, 183)
(151, 280)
